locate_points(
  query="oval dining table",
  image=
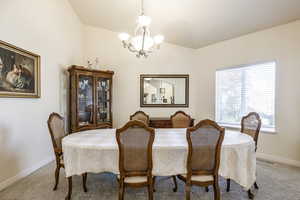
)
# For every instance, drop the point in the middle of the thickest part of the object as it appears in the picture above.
(96, 151)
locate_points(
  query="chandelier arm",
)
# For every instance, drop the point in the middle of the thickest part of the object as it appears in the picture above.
(125, 45)
(147, 52)
(131, 48)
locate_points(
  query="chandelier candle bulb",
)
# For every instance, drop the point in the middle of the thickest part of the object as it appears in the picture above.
(124, 36)
(158, 39)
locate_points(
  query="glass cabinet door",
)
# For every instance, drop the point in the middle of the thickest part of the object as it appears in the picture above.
(103, 100)
(85, 100)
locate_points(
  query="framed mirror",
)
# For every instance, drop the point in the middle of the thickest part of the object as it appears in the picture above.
(164, 90)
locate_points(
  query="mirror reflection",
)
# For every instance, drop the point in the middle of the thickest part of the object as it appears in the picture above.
(164, 91)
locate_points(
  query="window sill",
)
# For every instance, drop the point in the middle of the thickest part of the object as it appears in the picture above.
(238, 127)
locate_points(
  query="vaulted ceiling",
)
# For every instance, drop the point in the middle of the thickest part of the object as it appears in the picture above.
(190, 23)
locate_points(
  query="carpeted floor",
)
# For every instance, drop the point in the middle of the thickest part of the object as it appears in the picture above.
(277, 182)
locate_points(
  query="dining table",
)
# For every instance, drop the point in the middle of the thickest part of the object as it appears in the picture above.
(96, 151)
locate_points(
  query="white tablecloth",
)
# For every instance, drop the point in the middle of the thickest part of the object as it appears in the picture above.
(97, 151)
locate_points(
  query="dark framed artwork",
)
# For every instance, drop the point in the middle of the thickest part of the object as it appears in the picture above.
(19, 72)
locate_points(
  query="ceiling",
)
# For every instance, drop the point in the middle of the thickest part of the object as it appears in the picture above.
(190, 23)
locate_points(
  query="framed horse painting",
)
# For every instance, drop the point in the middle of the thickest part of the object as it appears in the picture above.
(19, 72)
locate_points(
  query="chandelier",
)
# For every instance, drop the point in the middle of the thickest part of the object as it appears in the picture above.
(141, 43)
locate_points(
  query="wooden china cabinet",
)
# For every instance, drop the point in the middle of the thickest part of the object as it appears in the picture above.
(90, 99)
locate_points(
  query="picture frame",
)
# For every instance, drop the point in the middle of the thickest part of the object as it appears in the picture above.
(19, 72)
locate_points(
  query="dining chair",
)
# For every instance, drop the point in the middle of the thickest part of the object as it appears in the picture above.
(180, 120)
(135, 141)
(142, 116)
(57, 132)
(203, 160)
(250, 125)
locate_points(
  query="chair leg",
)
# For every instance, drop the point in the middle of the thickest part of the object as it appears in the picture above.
(154, 178)
(84, 178)
(150, 189)
(121, 189)
(68, 197)
(217, 194)
(207, 189)
(228, 185)
(256, 186)
(175, 184)
(56, 177)
(187, 191)
(250, 194)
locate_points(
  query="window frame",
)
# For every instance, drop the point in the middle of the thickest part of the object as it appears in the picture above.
(264, 129)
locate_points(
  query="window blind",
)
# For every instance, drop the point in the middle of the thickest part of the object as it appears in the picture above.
(246, 89)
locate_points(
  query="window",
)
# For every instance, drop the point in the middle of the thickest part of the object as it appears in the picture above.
(246, 89)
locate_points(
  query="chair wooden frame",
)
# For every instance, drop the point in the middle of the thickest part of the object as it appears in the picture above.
(180, 112)
(59, 154)
(143, 113)
(213, 172)
(124, 173)
(256, 115)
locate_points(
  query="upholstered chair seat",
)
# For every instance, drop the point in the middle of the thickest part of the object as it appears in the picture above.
(135, 179)
(200, 178)
(62, 160)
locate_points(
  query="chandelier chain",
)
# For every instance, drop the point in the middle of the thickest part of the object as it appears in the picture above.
(142, 6)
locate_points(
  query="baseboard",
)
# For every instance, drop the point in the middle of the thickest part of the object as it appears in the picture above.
(278, 159)
(24, 173)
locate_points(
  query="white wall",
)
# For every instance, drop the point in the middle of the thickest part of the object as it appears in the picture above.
(51, 29)
(281, 44)
(170, 59)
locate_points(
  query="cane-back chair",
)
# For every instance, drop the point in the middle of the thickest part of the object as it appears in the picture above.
(180, 120)
(141, 116)
(57, 132)
(204, 150)
(250, 125)
(135, 141)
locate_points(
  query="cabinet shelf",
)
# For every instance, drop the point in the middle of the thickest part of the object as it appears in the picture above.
(104, 101)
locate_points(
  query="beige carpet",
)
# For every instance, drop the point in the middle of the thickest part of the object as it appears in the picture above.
(276, 182)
